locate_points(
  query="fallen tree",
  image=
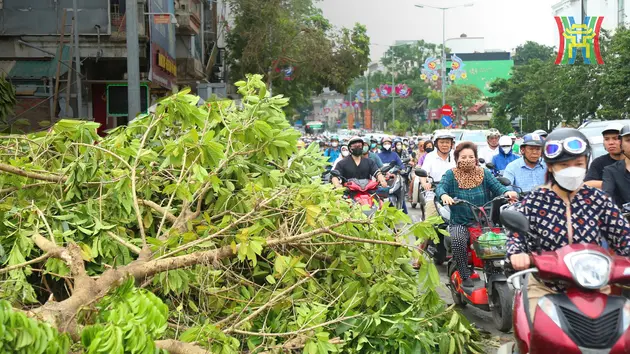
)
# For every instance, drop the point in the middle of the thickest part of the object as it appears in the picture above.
(203, 229)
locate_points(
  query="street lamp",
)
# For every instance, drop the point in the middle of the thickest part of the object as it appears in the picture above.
(444, 42)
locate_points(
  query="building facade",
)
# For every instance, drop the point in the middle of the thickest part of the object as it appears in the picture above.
(615, 12)
(178, 48)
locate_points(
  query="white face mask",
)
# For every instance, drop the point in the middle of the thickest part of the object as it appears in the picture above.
(335, 144)
(570, 178)
(387, 146)
(506, 149)
(345, 153)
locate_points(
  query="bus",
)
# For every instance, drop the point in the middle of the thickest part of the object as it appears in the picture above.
(315, 127)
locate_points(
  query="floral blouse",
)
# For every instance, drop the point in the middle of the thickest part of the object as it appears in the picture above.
(593, 215)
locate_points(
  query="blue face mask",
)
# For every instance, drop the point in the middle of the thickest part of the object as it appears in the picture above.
(372, 145)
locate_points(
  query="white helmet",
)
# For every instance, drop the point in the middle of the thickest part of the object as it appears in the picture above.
(505, 141)
(493, 133)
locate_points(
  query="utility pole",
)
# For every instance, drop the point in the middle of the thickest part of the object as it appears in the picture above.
(443, 57)
(133, 61)
(582, 10)
(393, 99)
(77, 61)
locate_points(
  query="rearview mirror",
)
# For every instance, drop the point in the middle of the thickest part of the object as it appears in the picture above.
(504, 181)
(482, 161)
(514, 221)
(421, 173)
(406, 159)
(490, 166)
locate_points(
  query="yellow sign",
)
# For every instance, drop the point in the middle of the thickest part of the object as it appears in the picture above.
(167, 64)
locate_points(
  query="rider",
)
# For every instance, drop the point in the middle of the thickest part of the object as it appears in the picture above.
(436, 163)
(428, 148)
(369, 154)
(401, 151)
(528, 172)
(565, 200)
(493, 146)
(333, 151)
(617, 176)
(505, 155)
(374, 145)
(612, 144)
(474, 184)
(357, 167)
(344, 153)
(387, 155)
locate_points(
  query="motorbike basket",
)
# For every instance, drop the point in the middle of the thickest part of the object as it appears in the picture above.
(490, 243)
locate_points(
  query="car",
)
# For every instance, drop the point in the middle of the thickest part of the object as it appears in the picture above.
(595, 129)
(476, 136)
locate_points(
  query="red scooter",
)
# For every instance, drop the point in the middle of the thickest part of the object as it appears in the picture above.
(363, 192)
(581, 320)
(490, 292)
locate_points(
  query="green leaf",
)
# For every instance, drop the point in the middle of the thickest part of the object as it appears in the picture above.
(364, 267)
(270, 279)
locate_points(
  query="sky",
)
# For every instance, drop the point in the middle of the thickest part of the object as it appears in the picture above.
(504, 24)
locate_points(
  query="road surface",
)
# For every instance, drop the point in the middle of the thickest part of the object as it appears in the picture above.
(482, 319)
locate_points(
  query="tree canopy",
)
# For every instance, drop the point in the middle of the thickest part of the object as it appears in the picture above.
(199, 229)
(271, 35)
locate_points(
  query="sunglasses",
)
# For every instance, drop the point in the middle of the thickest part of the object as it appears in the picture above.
(575, 146)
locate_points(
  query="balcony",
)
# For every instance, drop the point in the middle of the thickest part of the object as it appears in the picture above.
(188, 14)
(189, 69)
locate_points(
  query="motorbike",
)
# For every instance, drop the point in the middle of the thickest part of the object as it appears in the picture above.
(363, 192)
(486, 251)
(397, 185)
(581, 320)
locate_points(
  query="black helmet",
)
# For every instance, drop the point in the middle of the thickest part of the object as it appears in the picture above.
(565, 144)
(625, 131)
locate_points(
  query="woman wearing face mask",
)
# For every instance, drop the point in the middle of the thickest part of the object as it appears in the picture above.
(400, 149)
(470, 182)
(566, 211)
(428, 147)
(344, 153)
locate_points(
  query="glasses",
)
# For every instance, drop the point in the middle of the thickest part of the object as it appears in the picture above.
(553, 149)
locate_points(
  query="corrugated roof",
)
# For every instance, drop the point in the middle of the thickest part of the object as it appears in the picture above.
(35, 69)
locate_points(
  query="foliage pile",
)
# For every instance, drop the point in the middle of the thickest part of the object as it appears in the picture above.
(203, 228)
(540, 91)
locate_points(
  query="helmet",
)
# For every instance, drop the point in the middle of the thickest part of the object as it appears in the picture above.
(540, 132)
(386, 139)
(397, 140)
(334, 137)
(505, 141)
(532, 139)
(625, 131)
(354, 139)
(445, 135)
(366, 141)
(565, 144)
(613, 128)
(493, 133)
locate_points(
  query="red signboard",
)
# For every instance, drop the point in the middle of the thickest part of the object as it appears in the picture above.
(447, 110)
(434, 114)
(161, 19)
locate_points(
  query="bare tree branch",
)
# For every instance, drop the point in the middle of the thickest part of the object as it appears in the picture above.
(161, 210)
(25, 264)
(28, 174)
(133, 248)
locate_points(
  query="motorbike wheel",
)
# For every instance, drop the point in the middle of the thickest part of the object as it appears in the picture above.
(457, 297)
(502, 307)
(440, 255)
(413, 205)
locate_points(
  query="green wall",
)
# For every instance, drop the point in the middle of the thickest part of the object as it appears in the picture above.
(482, 73)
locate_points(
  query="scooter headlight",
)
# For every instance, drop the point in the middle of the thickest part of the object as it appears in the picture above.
(590, 269)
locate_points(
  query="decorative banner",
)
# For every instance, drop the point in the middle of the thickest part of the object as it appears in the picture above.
(360, 96)
(579, 36)
(287, 71)
(345, 105)
(457, 68)
(374, 96)
(403, 91)
(368, 119)
(385, 90)
(356, 105)
(429, 70)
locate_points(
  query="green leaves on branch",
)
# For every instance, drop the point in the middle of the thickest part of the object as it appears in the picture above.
(22, 335)
(128, 321)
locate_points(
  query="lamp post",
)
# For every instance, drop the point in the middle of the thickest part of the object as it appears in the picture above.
(444, 42)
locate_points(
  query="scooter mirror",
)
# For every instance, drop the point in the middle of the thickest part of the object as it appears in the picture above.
(514, 221)
(421, 173)
(490, 166)
(413, 154)
(482, 161)
(406, 160)
(504, 181)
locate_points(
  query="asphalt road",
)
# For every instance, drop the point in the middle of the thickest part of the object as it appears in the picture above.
(482, 319)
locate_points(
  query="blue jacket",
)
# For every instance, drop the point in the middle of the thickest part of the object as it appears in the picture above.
(333, 154)
(375, 158)
(501, 160)
(390, 156)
